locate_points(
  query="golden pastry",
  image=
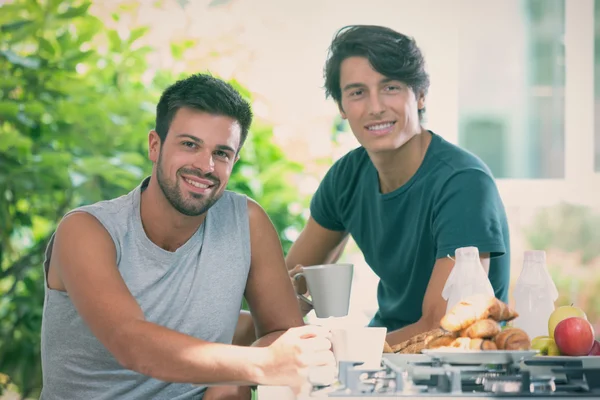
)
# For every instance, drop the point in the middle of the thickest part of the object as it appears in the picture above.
(513, 339)
(484, 328)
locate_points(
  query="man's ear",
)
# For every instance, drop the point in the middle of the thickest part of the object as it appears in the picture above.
(153, 146)
(421, 100)
(342, 113)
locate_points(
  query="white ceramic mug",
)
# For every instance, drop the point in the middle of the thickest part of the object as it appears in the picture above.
(329, 286)
(360, 344)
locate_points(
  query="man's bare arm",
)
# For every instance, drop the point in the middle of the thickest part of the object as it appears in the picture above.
(269, 292)
(83, 261)
(316, 245)
(434, 305)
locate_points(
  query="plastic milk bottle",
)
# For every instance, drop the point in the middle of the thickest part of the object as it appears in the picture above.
(467, 277)
(535, 294)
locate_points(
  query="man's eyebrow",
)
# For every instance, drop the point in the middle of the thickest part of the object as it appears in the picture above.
(225, 148)
(362, 85)
(353, 86)
(191, 137)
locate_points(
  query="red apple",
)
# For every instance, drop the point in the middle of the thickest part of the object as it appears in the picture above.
(574, 336)
(595, 351)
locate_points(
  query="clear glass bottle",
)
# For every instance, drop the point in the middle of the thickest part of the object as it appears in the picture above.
(534, 294)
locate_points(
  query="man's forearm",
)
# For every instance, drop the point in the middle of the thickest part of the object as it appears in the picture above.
(267, 339)
(402, 334)
(171, 356)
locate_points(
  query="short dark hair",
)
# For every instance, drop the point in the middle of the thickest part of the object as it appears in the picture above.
(390, 53)
(206, 93)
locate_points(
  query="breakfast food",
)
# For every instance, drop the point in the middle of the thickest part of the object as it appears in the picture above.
(461, 343)
(442, 341)
(414, 348)
(513, 339)
(427, 340)
(420, 338)
(473, 324)
(481, 344)
(475, 308)
(484, 328)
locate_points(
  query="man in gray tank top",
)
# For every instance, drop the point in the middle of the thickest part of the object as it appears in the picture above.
(143, 291)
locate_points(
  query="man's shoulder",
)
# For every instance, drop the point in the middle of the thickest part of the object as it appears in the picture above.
(233, 203)
(117, 205)
(233, 198)
(450, 160)
(354, 158)
(350, 164)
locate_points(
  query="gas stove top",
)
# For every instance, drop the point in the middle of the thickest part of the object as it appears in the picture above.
(540, 377)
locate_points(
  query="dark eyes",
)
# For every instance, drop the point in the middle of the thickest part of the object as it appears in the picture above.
(388, 88)
(193, 145)
(190, 145)
(220, 153)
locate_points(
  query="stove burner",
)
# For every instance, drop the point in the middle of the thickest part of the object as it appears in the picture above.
(437, 379)
(521, 383)
(502, 384)
(542, 384)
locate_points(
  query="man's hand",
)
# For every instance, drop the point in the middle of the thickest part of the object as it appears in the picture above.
(228, 393)
(298, 282)
(289, 358)
(301, 288)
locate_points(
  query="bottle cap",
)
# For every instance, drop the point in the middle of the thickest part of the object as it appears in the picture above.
(467, 253)
(538, 256)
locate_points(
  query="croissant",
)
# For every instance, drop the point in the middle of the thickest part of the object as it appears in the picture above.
(461, 343)
(501, 311)
(484, 328)
(465, 343)
(474, 308)
(513, 339)
(482, 344)
(467, 311)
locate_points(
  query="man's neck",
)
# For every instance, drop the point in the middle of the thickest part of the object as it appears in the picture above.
(165, 226)
(395, 168)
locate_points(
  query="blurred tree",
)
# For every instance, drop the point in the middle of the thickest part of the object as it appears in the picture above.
(568, 227)
(76, 103)
(4, 380)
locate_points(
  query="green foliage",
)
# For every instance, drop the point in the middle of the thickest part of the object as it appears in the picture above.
(76, 103)
(567, 227)
(570, 233)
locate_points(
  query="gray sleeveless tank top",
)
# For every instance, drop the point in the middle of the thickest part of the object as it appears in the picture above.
(195, 290)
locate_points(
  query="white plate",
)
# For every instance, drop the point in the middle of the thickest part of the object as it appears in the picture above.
(474, 357)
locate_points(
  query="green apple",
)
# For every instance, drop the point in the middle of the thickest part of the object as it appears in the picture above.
(561, 313)
(545, 345)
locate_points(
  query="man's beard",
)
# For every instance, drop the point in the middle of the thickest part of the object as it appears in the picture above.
(198, 204)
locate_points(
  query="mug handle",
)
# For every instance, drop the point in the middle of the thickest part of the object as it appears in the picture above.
(301, 296)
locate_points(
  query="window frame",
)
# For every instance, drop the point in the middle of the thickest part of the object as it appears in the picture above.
(581, 184)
